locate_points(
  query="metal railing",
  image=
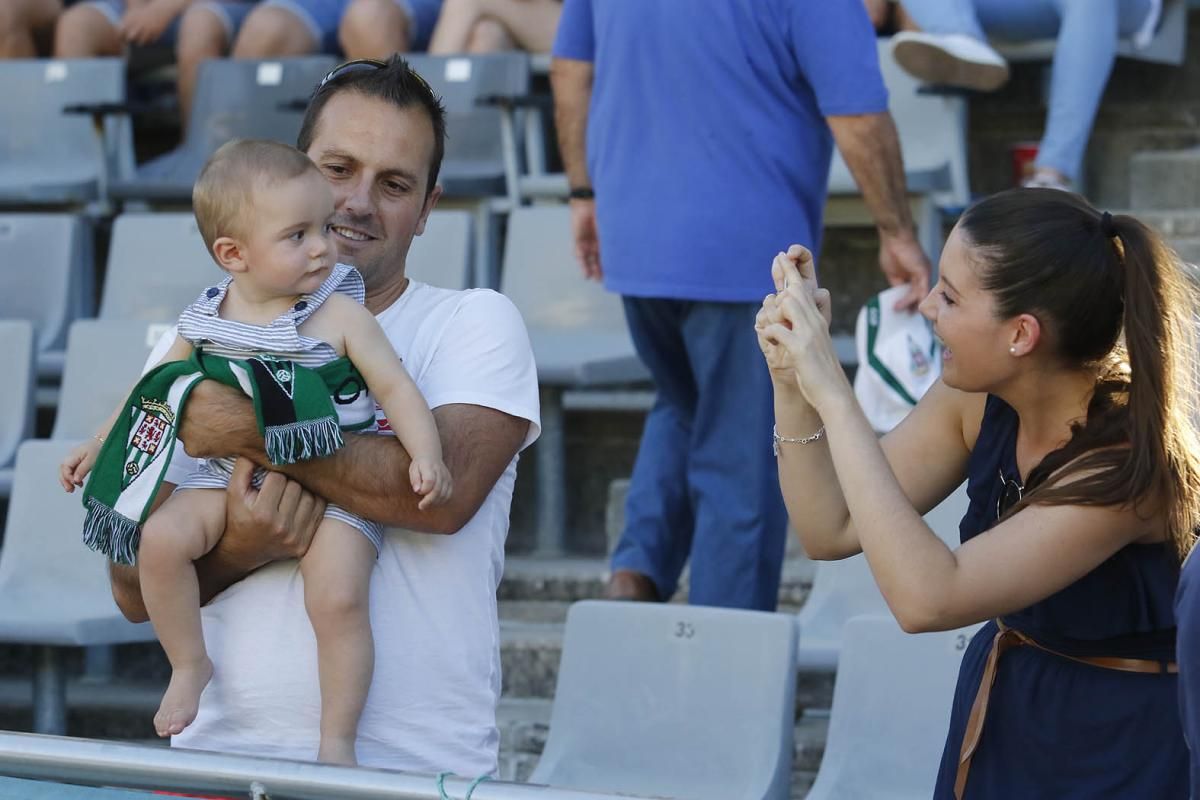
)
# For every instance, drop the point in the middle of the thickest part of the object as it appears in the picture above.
(98, 763)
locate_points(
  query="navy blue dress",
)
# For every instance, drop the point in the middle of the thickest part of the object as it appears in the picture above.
(1056, 728)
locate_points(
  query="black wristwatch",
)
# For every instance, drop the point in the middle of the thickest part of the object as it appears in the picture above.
(581, 193)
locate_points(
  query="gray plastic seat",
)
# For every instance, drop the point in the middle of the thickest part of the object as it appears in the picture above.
(845, 589)
(579, 337)
(891, 711)
(441, 256)
(1168, 46)
(54, 592)
(234, 99)
(51, 158)
(474, 164)
(157, 264)
(104, 360)
(673, 701)
(577, 328)
(46, 278)
(16, 394)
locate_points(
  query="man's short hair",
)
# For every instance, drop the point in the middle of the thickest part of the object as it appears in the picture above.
(393, 81)
(224, 192)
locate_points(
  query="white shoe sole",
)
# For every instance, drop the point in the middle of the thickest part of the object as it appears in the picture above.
(933, 64)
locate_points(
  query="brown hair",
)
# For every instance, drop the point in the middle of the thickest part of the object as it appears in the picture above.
(1111, 295)
(223, 194)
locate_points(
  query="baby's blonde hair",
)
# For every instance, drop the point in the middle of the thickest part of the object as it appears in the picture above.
(224, 192)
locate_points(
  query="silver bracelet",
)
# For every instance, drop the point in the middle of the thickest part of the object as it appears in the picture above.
(776, 439)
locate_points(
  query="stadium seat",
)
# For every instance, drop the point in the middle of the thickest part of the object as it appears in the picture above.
(46, 278)
(933, 142)
(673, 701)
(157, 264)
(479, 171)
(54, 592)
(104, 359)
(579, 339)
(846, 588)
(51, 158)
(16, 394)
(441, 256)
(1169, 45)
(475, 161)
(234, 99)
(891, 711)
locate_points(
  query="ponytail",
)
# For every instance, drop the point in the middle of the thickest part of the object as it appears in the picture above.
(1119, 299)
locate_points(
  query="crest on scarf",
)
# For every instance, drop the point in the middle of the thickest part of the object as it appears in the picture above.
(153, 431)
(282, 372)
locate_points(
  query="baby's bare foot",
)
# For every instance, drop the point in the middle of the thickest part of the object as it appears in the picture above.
(337, 751)
(182, 698)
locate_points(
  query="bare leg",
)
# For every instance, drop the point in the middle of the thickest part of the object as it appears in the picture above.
(21, 21)
(489, 36)
(453, 30)
(531, 23)
(84, 32)
(201, 36)
(337, 574)
(374, 29)
(184, 528)
(274, 32)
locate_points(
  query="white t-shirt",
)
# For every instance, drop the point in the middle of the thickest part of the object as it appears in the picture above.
(433, 699)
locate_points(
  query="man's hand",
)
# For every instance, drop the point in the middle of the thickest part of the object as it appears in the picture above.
(144, 24)
(274, 522)
(903, 261)
(587, 239)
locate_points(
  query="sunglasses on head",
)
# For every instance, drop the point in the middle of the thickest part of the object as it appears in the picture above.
(359, 65)
(1011, 493)
(364, 65)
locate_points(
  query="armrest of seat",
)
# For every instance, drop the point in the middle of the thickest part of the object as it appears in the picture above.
(541, 102)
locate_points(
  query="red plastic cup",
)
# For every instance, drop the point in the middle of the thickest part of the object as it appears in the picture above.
(1023, 155)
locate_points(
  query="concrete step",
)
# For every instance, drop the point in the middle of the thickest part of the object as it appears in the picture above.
(1166, 179)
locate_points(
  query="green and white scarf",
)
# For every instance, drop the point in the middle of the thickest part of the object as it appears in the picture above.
(293, 406)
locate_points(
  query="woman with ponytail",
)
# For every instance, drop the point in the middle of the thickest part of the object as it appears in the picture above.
(1066, 404)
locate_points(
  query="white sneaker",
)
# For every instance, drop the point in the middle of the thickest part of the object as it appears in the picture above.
(950, 59)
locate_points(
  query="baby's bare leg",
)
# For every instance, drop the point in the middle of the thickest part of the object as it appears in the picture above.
(184, 528)
(337, 574)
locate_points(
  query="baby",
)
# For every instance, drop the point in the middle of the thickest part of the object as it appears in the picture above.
(287, 326)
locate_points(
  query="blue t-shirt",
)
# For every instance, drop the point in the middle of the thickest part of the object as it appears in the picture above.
(706, 138)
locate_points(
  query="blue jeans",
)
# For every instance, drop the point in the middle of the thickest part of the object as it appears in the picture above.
(1087, 32)
(705, 483)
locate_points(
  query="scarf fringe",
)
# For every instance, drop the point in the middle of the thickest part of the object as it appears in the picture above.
(300, 441)
(111, 533)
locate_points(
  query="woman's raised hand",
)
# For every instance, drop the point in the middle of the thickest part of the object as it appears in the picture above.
(793, 327)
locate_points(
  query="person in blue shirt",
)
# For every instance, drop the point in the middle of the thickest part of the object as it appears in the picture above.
(697, 137)
(1066, 403)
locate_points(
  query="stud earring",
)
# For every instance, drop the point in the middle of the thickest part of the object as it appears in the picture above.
(1013, 350)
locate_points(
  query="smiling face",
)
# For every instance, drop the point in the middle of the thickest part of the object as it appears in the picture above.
(376, 159)
(975, 344)
(288, 249)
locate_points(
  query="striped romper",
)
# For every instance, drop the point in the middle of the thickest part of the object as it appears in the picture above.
(204, 329)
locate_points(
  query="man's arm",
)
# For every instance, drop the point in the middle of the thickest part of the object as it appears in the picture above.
(571, 82)
(271, 523)
(871, 147)
(369, 476)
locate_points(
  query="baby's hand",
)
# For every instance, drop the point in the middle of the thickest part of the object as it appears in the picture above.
(430, 479)
(78, 463)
